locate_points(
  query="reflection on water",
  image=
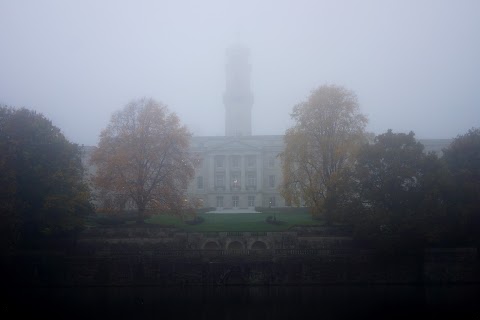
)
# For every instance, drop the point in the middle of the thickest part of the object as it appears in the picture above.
(236, 302)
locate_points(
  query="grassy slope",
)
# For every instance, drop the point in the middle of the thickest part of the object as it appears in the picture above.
(237, 222)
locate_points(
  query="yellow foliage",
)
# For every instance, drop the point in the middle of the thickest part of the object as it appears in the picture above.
(320, 146)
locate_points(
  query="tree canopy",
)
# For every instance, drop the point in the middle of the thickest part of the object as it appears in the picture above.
(319, 148)
(462, 158)
(397, 190)
(143, 161)
(42, 188)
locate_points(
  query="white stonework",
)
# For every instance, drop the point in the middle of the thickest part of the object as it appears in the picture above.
(237, 172)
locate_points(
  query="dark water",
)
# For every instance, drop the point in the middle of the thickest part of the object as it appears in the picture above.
(237, 302)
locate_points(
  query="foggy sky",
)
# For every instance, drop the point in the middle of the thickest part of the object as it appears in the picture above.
(415, 65)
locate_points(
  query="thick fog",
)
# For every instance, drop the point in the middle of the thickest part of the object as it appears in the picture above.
(415, 65)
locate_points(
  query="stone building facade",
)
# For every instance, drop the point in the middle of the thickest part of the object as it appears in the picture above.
(241, 172)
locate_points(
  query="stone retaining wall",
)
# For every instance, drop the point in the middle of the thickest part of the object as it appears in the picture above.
(244, 267)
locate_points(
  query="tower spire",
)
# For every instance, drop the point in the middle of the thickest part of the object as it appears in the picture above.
(238, 97)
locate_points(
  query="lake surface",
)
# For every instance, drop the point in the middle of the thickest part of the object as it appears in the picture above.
(239, 302)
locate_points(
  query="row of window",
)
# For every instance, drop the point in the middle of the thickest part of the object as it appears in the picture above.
(235, 180)
(251, 161)
(236, 201)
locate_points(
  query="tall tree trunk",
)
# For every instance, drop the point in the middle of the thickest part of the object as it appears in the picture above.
(141, 214)
(330, 205)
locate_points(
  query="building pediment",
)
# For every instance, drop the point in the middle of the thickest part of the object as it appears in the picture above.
(233, 145)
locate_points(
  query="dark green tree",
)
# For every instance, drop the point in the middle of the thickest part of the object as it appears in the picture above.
(397, 192)
(42, 190)
(462, 158)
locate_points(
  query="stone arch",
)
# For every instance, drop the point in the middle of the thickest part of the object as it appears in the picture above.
(235, 245)
(259, 245)
(211, 245)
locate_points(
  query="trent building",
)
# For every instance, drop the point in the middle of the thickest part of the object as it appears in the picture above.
(238, 170)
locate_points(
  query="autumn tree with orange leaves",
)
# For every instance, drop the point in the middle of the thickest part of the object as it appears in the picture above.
(319, 149)
(143, 160)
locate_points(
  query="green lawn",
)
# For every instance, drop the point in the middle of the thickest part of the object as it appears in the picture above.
(237, 222)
